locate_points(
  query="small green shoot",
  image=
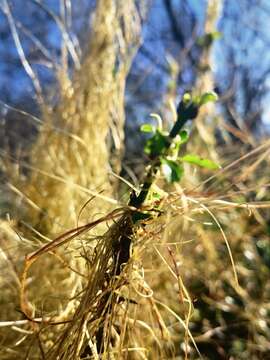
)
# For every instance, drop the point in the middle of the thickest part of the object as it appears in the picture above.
(156, 145)
(197, 160)
(148, 128)
(164, 147)
(207, 97)
(172, 170)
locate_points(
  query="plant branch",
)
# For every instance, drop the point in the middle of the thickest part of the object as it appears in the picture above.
(187, 110)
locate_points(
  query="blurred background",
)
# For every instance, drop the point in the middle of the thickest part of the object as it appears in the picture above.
(77, 80)
(168, 59)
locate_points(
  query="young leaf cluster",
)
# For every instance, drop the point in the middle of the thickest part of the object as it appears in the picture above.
(165, 147)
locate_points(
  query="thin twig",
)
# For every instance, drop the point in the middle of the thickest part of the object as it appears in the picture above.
(28, 69)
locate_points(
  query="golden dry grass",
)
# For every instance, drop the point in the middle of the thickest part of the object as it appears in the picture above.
(72, 158)
(179, 289)
(197, 281)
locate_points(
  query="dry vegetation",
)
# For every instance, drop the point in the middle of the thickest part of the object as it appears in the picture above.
(197, 284)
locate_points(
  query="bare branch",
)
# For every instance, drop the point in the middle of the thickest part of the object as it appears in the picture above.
(28, 69)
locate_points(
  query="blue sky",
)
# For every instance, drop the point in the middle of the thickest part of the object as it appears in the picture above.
(15, 83)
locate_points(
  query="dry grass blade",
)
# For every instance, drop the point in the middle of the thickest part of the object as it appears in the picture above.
(6, 9)
(195, 281)
(53, 245)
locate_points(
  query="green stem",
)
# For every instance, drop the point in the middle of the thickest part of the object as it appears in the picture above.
(138, 200)
(122, 250)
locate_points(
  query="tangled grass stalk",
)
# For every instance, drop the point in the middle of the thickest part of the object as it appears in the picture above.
(79, 144)
(177, 289)
(89, 112)
(95, 314)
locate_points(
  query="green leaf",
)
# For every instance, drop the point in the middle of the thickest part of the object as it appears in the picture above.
(184, 136)
(148, 128)
(187, 98)
(207, 97)
(180, 139)
(172, 170)
(156, 144)
(196, 160)
(156, 195)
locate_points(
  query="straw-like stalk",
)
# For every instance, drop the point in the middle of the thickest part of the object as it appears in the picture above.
(90, 110)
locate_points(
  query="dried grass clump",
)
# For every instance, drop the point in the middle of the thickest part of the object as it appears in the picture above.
(11, 266)
(72, 157)
(196, 283)
(78, 146)
(227, 214)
